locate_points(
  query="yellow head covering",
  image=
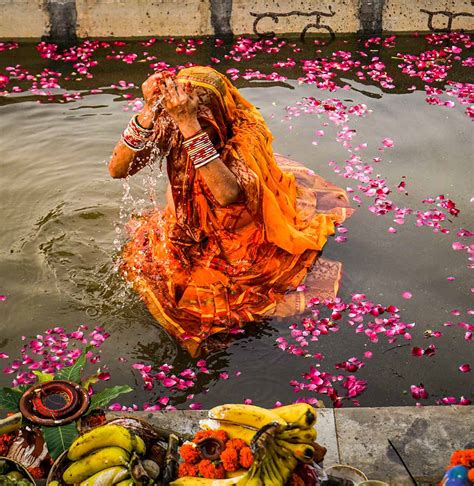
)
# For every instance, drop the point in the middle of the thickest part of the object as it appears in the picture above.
(252, 140)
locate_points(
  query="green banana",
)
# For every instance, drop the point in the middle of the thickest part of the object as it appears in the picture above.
(105, 436)
(93, 463)
(300, 415)
(107, 477)
(305, 436)
(126, 482)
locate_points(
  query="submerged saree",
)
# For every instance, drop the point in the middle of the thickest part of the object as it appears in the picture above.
(204, 269)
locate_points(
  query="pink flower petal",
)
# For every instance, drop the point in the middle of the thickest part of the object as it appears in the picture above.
(465, 368)
(407, 294)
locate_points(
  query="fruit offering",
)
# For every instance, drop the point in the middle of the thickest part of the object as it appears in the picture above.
(279, 441)
(11, 475)
(107, 455)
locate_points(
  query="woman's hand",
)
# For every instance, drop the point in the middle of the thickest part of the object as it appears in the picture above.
(151, 95)
(181, 104)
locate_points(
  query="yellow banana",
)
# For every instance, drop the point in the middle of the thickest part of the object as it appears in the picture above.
(105, 436)
(139, 446)
(305, 436)
(93, 463)
(252, 478)
(302, 452)
(300, 415)
(234, 431)
(248, 415)
(107, 477)
(126, 482)
(192, 481)
(268, 475)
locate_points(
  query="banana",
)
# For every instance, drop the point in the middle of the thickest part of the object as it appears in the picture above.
(248, 415)
(234, 431)
(252, 478)
(302, 452)
(305, 436)
(139, 446)
(107, 477)
(268, 475)
(93, 463)
(278, 469)
(126, 482)
(300, 415)
(189, 480)
(105, 436)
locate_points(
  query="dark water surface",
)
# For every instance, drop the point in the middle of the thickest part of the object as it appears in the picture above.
(60, 214)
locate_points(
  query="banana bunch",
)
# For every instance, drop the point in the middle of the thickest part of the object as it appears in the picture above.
(279, 438)
(103, 457)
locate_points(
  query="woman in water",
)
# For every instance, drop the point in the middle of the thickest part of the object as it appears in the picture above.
(243, 227)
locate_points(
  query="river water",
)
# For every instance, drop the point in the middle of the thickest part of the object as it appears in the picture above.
(61, 222)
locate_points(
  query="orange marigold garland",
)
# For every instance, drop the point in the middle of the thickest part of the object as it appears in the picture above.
(186, 469)
(462, 462)
(462, 458)
(211, 470)
(230, 459)
(189, 453)
(245, 457)
(236, 455)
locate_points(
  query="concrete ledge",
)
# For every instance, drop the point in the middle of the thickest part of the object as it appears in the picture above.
(425, 437)
(68, 19)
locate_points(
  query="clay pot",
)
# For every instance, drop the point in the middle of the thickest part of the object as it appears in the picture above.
(210, 448)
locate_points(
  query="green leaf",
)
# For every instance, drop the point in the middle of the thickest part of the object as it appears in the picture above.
(73, 372)
(59, 439)
(91, 380)
(10, 399)
(43, 377)
(104, 397)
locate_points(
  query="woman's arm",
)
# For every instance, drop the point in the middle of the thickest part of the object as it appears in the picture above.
(124, 160)
(182, 107)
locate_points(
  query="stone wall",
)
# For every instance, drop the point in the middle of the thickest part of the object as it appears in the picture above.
(68, 19)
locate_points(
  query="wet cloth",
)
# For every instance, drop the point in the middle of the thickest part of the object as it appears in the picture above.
(204, 269)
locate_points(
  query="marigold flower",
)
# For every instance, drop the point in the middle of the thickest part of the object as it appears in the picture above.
(470, 475)
(236, 444)
(462, 458)
(190, 453)
(36, 472)
(211, 470)
(186, 469)
(5, 443)
(230, 459)
(220, 434)
(202, 434)
(245, 457)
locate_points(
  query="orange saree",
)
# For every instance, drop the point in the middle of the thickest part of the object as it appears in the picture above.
(203, 269)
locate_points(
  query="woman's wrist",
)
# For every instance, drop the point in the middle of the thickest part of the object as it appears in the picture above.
(189, 127)
(146, 117)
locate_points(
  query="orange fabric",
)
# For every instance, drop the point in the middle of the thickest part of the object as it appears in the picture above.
(205, 269)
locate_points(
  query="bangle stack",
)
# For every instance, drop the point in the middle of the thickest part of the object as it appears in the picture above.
(200, 149)
(135, 136)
